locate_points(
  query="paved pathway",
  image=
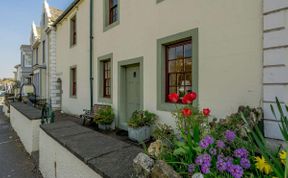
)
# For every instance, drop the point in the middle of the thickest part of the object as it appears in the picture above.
(14, 161)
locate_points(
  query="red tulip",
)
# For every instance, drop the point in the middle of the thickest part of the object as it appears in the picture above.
(189, 98)
(186, 112)
(173, 97)
(206, 112)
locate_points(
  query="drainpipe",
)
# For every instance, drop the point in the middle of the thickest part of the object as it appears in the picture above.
(91, 52)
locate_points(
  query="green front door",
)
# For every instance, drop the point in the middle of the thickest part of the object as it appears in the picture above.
(132, 93)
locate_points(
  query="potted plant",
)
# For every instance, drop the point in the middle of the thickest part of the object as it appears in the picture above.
(104, 118)
(139, 126)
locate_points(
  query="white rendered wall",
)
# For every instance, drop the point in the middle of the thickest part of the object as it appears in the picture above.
(5, 110)
(27, 130)
(55, 161)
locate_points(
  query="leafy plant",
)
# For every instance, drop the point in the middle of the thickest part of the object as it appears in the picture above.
(104, 116)
(142, 118)
(272, 159)
(283, 118)
(163, 132)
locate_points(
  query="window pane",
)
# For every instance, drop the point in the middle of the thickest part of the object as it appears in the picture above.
(188, 79)
(172, 79)
(179, 51)
(180, 79)
(172, 90)
(188, 50)
(172, 54)
(188, 65)
(179, 65)
(107, 83)
(114, 2)
(172, 66)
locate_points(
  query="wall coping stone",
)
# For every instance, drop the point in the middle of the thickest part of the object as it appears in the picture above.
(28, 111)
(105, 155)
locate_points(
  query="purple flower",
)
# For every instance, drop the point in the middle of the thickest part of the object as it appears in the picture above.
(241, 153)
(220, 144)
(236, 171)
(199, 160)
(213, 151)
(245, 163)
(205, 142)
(205, 169)
(230, 135)
(203, 159)
(221, 165)
(191, 168)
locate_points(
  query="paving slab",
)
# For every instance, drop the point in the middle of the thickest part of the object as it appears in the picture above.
(29, 111)
(116, 164)
(58, 125)
(14, 161)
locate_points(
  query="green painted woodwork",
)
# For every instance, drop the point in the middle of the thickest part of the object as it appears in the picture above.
(106, 25)
(122, 85)
(161, 43)
(100, 78)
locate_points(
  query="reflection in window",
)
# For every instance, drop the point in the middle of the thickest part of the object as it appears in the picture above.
(179, 68)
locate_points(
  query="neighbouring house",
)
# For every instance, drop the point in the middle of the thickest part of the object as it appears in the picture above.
(275, 63)
(143, 50)
(72, 43)
(18, 73)
(26, 64)
(43, 40)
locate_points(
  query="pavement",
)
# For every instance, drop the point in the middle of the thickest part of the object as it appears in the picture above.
(14, 161)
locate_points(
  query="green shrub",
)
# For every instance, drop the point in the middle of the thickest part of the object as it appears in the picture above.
(104, 116)
(142, 118)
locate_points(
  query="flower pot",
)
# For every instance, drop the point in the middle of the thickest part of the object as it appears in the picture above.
(139, 134)
(104, 126)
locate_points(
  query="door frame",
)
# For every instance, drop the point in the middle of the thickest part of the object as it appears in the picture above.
(122, 86)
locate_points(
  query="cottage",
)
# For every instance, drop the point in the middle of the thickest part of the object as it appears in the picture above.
(140, 55)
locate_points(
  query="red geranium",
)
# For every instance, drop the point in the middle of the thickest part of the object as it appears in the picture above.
(186, 112)
(173, 97)
(189, 98)
(206, 112)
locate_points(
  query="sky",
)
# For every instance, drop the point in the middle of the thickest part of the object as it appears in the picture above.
(16, 17)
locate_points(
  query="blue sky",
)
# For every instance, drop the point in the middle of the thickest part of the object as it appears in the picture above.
(16, 17)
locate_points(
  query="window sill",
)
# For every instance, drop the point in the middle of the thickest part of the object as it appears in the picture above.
(72, 46)
(73, 97)
(108, 27)
(105, 100)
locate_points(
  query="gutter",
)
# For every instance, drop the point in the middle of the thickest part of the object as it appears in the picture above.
(91, 53)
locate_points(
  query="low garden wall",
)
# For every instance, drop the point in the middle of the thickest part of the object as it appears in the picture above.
(67, 149)
(5, 110)
(25, 120)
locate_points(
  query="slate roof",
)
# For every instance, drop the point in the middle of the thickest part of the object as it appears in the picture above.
(55, 13)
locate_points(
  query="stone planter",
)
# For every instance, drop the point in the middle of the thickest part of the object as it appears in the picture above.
(104, 127)
(139, 134)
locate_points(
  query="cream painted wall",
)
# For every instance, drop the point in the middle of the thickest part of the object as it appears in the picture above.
(230, 49)
(77, 55)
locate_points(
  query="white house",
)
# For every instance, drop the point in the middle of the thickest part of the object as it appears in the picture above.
(43, 40)
(143, 50)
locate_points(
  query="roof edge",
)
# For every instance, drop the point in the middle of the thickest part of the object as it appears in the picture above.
(66, 11)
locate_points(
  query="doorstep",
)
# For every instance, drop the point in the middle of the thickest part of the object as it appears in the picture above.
(105, 155)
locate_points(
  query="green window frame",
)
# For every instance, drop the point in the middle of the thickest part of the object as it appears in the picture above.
(73, 82)
(101, 61)
(162, 44)
(106, 14)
